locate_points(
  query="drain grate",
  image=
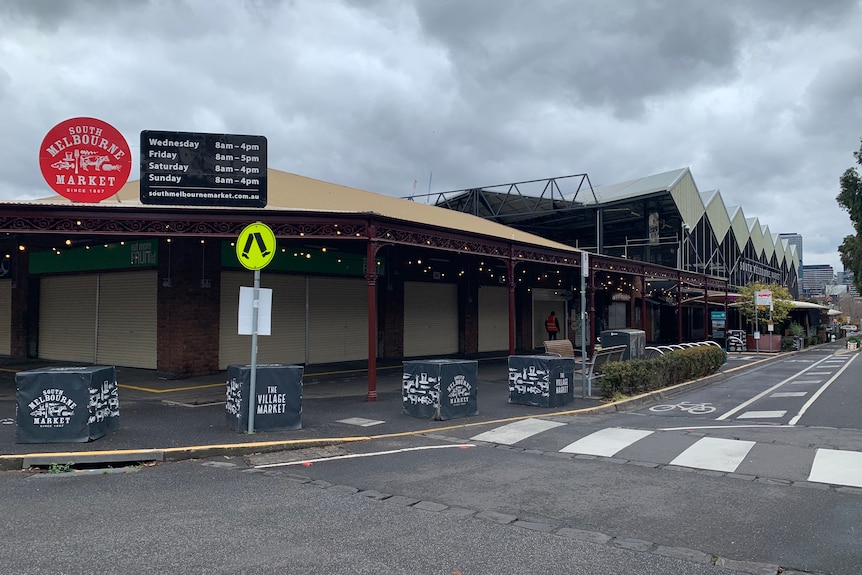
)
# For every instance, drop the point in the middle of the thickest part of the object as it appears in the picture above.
(93, 460)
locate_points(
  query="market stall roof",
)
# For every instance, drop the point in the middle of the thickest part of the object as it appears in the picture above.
(292, 192)
(803, 305)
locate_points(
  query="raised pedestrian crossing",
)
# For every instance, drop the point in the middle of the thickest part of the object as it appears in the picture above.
(678, 448)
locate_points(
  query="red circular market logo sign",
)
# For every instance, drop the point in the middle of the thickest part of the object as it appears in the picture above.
(85, 159)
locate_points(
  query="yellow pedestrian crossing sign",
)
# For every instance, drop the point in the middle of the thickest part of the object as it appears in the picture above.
(255, 246)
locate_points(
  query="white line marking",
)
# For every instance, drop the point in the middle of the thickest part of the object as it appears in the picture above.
(761, 414)
(820, 373)
(512, 433)
(805, 381)
(360, 421)
(817, 393)
(837, 467)
(357, 455)
(690, 428)
(606, 442)
(714, 453)
(745, 404)
(789, 394)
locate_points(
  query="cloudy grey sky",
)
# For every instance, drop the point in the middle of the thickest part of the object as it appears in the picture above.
(761, 99)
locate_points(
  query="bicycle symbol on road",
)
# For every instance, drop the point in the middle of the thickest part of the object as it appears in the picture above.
(692, 408)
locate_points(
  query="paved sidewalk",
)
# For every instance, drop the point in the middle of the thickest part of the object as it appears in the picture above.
(163, 419)
(185, 418)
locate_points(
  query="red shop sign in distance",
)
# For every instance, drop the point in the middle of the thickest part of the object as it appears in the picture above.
(85, 159)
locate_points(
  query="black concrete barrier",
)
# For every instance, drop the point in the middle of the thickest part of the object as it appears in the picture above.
(66, 404)
(440, 388)
(541, 380)
(277, 401)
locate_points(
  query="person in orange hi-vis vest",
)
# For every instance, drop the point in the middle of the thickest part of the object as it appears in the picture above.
(552, 324)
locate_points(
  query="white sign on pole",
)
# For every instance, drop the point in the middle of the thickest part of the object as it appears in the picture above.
(246, 311)
(763, 297)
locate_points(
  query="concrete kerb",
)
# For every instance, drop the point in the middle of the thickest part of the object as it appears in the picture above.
(17, 461)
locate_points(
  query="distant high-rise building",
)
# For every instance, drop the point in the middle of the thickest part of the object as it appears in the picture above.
(815, 279)
(795, 239)
(846, 278)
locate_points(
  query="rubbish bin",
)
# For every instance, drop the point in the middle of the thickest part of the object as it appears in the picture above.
(277, 401)
(633, 339)
(440, 388)
(798, 343)
(541, 380)
(66, 404)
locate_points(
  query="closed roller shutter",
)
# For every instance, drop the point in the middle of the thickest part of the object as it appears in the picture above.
(493, 318)
(430, 319)
(338, 326)
(5, 317)
(67, 318)
(127, 332)
(287, 342)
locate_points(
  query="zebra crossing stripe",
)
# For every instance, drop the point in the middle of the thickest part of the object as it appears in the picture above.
(606, 442)
(512, 433)
(715, 454)
(837, 467)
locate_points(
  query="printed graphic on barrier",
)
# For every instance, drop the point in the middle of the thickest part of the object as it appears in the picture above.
(66, 404)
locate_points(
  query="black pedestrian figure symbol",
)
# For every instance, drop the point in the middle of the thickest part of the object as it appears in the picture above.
(260, 245)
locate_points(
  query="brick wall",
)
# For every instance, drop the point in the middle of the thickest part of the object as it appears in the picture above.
(188, 313)
(23, 312)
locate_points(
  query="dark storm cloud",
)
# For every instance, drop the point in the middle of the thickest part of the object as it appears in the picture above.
(50, 14)
(760, 99)
(613, 55)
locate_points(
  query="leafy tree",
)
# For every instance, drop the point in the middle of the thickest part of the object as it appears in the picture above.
(782, 303)
(850, 199)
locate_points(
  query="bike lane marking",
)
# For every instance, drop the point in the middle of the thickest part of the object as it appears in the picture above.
(685, 406)
(606, 442)
(795, 419)
(762, 414)
(807, 371)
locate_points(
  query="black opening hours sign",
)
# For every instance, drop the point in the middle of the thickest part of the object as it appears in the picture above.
(191, 168)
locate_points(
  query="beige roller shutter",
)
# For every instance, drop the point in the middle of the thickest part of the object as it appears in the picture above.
(287, 342)
(493, 318)
(338, 326)
(67, 318)
(127, 326)
(5, 317)
(430, 319)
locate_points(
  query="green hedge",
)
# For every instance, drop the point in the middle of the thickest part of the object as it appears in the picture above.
(638, 376)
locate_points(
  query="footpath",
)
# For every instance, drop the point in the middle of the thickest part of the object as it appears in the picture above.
(163, 419)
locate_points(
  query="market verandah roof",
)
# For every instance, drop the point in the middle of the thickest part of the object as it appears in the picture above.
(291, 192)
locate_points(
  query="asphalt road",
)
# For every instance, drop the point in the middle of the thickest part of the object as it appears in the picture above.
(731, 478)
(743, 476)
(194, 517)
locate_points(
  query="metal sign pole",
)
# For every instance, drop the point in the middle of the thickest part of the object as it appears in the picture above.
(756, 328)
(253, 379)
(585, 269)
